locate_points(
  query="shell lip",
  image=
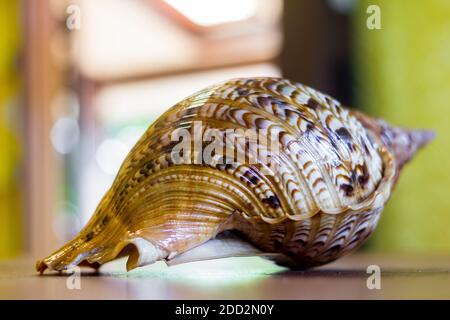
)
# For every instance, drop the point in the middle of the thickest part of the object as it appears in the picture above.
(140, 252)
(41, 266)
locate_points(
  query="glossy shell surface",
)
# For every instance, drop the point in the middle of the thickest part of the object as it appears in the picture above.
(319, 196)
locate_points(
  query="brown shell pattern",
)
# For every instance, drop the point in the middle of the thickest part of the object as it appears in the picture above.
(332, 179)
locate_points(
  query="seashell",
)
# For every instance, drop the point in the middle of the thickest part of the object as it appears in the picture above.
(312, 197)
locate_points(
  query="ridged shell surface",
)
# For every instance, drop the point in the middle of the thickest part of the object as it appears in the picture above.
(318, 197)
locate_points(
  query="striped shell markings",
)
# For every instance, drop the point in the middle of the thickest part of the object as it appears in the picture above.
(315, 197)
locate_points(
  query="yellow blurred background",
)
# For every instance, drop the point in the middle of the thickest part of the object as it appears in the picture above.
(81, 80)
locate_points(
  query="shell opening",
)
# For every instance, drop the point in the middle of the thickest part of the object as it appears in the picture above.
(132, 252)
(141, 252)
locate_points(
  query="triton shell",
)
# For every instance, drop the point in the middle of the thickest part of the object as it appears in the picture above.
(314, 198)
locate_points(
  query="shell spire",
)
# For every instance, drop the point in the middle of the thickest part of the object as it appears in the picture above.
(402, 142)
(405, 142)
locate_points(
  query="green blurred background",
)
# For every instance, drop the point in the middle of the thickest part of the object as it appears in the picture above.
(10, 148)
(81, 80)
(404, 77)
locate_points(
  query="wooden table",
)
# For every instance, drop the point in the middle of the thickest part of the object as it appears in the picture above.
(237, 278)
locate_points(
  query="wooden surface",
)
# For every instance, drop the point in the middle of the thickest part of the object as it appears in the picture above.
(237, 278)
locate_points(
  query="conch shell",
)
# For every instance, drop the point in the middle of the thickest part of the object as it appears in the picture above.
(304, 183)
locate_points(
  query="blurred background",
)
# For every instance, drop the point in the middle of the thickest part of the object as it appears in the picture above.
(80, 81)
